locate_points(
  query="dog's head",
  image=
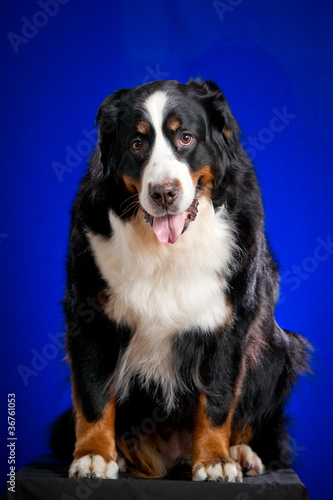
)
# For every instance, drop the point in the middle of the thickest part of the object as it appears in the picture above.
(162, 146)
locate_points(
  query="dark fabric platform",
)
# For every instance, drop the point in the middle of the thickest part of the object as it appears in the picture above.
(44, 479)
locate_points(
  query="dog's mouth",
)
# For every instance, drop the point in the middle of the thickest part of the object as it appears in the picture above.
(168, 228)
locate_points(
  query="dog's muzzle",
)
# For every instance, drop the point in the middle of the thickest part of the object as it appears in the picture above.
(169, 227)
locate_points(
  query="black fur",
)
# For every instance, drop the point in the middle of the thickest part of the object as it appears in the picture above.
(272, 359)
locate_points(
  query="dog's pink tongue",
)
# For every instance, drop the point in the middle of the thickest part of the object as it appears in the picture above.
(168, 228)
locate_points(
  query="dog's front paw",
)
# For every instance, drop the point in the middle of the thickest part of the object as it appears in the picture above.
(220, 470)
(93, 466)
(248, 460)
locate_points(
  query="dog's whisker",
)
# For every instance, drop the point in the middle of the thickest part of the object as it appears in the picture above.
(128, 199)
(132, 206)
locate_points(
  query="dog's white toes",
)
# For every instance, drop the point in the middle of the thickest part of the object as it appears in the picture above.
(93, 466)
(200, 474)
(249, 461)
(111, 470)
(231, 473)
(215, 473)
(80, 468)
(220, 470)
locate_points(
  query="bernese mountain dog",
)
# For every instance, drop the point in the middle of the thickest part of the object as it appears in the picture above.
(175, 355)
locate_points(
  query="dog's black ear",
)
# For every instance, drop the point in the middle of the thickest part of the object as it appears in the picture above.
(106, 152)
(98, 186)
(223, 127)
(106, 119)
(232, 161)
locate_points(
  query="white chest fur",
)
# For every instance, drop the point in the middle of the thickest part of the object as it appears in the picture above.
(161, 290)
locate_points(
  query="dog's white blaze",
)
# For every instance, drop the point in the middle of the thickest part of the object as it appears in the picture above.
(161, 290)
(163, 165)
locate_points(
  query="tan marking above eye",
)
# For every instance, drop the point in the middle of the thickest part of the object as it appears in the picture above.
(173, 124)
(143, 128)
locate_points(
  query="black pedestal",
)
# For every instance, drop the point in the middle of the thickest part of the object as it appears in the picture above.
(44, 479)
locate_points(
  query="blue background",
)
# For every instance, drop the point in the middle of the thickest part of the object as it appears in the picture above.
(269, 58)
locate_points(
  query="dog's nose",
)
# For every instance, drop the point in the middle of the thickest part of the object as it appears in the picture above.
(164, 193)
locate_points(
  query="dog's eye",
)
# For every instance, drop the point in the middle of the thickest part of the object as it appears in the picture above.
(186, 139)
(137, 145)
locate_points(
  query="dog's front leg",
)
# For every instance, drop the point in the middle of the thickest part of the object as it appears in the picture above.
(211, 457)
(95, 452)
